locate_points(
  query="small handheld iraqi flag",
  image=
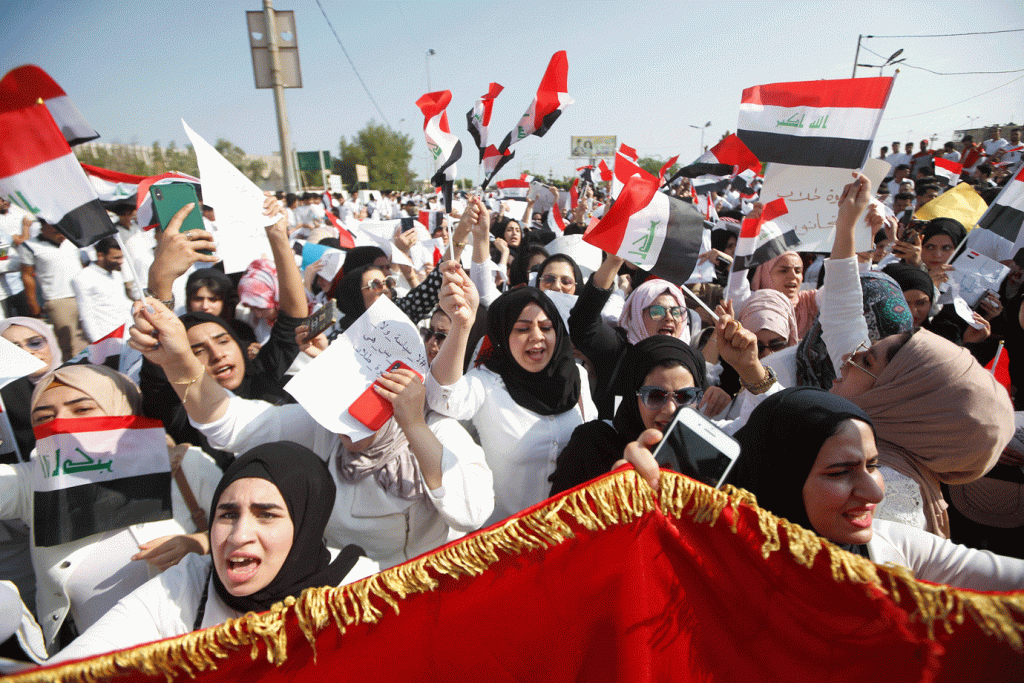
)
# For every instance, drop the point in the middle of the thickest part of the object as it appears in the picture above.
(445, 147)
(97, 474)
(762, 239)
(478, 119)
(732, 152)
(27, 85)
(650, 229)
(950, 170)
(39, 173)
(813, 123)
(1005, 216)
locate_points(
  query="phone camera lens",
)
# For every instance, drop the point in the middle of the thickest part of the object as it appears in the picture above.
(158, 194)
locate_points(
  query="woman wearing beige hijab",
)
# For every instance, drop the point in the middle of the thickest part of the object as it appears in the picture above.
(79, 580)
(939, 418)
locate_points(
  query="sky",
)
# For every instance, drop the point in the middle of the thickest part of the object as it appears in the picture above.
(651, 73)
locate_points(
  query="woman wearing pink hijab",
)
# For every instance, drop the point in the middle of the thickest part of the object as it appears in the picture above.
(785, 273)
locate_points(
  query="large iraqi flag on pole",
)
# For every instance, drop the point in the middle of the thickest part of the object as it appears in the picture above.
(1005, 216)
(98, 474)
(651, 229)
(39, 173)
(445, 147)
(813, 123)
(28, 84)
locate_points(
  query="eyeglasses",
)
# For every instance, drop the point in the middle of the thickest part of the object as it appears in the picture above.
(32, 343)
(378, 286)
(553, 280)
(772, 346)
(439, 336)
(654, 398)
(657, 311)
(849, 359)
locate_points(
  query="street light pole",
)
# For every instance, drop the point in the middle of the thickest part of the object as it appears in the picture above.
(701, 129)
(287, 168)
(426, 60)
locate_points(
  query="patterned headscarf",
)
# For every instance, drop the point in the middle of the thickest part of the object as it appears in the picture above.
(632, 318)
(886, 313)
(258, 287)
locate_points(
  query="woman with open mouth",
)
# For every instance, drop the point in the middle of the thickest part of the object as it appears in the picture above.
(266, 539)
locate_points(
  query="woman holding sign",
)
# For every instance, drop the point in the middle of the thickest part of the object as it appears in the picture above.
(95, 513)
(408, 488)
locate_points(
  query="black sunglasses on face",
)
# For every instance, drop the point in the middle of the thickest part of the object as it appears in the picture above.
(655, 398)
(772, 346)
(439, 336)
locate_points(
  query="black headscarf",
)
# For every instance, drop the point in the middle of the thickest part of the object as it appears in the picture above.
(910, 277)
(553, 390)
(643, 357)
(944, 226)
(308, 490)
(779, 445)
(563, 258)
(357, 257)
(349, 293)
(720, 238)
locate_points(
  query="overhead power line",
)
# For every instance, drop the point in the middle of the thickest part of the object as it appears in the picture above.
(939, 73)
(893, 118)
(954, 35)
(354, 69)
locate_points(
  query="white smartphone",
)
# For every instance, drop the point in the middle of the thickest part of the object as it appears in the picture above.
(694, 446)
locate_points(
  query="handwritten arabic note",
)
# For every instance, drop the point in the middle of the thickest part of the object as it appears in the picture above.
(811, 195)
(329, 383)
(239, 205)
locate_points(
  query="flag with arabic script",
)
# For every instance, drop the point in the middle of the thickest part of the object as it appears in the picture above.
(96, 474)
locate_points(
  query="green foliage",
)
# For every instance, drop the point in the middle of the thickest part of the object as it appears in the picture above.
(653, 165)
(125, 159)
(385, 152)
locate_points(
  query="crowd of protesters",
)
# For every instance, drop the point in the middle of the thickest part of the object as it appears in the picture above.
(549, 362)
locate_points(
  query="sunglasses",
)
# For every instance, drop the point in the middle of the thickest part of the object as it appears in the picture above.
(32, 343)
(553, 280)
(772, 346)
(439, 336)
(378, 286)
(657, 311)
(655, 398)
(862, 346)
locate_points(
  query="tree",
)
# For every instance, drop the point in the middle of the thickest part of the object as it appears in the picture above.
(653, 165)
(385, 152)
(253, 169)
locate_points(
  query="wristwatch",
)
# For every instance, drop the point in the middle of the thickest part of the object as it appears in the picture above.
(169, 303)
(769, 379)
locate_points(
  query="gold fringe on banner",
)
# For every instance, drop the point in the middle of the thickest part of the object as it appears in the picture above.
(620, 498)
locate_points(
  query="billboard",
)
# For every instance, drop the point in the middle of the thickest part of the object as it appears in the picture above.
(589, 146)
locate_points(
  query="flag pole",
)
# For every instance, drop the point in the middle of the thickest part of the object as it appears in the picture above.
(130, 261)
(995, 361)
(714, 316)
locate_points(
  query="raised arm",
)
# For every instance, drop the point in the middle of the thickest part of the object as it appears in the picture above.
(176, 252)
(459, 300)
(292, 294)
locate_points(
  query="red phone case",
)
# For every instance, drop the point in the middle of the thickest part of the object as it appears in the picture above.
(371, 409)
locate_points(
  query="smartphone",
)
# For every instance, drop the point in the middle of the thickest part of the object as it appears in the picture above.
(694, 446)
(372, 410)
(321, 320)
(167, 199)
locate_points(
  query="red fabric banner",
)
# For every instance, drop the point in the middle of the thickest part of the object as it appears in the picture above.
(607, 583)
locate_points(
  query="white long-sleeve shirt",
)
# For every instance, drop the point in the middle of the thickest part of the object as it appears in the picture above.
(390, 529)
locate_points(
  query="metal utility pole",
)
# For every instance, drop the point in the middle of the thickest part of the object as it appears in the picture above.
(283, 132)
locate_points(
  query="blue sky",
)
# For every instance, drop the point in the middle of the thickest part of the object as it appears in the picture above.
(644, 71)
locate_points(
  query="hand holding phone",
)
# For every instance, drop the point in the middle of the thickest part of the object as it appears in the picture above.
(696, 447)
(320, 321)
(371, 409)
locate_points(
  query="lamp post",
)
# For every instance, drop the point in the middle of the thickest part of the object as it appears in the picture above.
(701, 129)
(888, 62)
(426, 60)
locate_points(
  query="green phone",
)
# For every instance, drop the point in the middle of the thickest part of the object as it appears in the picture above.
(167, 199)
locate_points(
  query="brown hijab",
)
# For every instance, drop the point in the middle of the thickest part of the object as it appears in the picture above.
(113, 392)
(939, 417)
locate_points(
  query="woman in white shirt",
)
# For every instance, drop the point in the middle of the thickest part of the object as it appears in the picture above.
(266, 544)
(526, 398)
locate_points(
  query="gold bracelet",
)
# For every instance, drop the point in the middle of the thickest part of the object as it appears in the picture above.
(769, 379)
(188, 384)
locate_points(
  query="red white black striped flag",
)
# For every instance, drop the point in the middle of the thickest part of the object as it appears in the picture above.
(657, 232)
(1005, 216)
(445, 147)
(26, 85)
(813, 123)
(762, 239)
(950, 170)
(478, 118)
(39, 173)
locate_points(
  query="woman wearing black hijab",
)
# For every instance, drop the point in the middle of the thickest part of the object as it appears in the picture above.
(266, 544)
(358, 288)
(526, 399)
(215, 343)
(810, 457)
(662, 373)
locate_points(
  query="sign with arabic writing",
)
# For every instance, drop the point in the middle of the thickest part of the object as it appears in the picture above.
(812, 195)
(329, 383)
(97, 474)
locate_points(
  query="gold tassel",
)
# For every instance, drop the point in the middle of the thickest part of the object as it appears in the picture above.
(620, 498)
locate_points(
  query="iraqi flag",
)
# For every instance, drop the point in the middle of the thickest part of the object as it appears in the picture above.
(39, 173)
(478, 119)
(431, 220)
(950, 170)
(1005, 216)
(113, 187)
(625, 168)
(813, 123)
(144, 202)
(606, 173)
(493, 160)
(652, 230)
(99, 474)
(445, 147)
(743, 183)
(113, 351)
(345, 236)
(26, 85)
(707, 185)
(555, 222)
(731, 152)
(513, 187)
(762, 239)
(552, 97)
